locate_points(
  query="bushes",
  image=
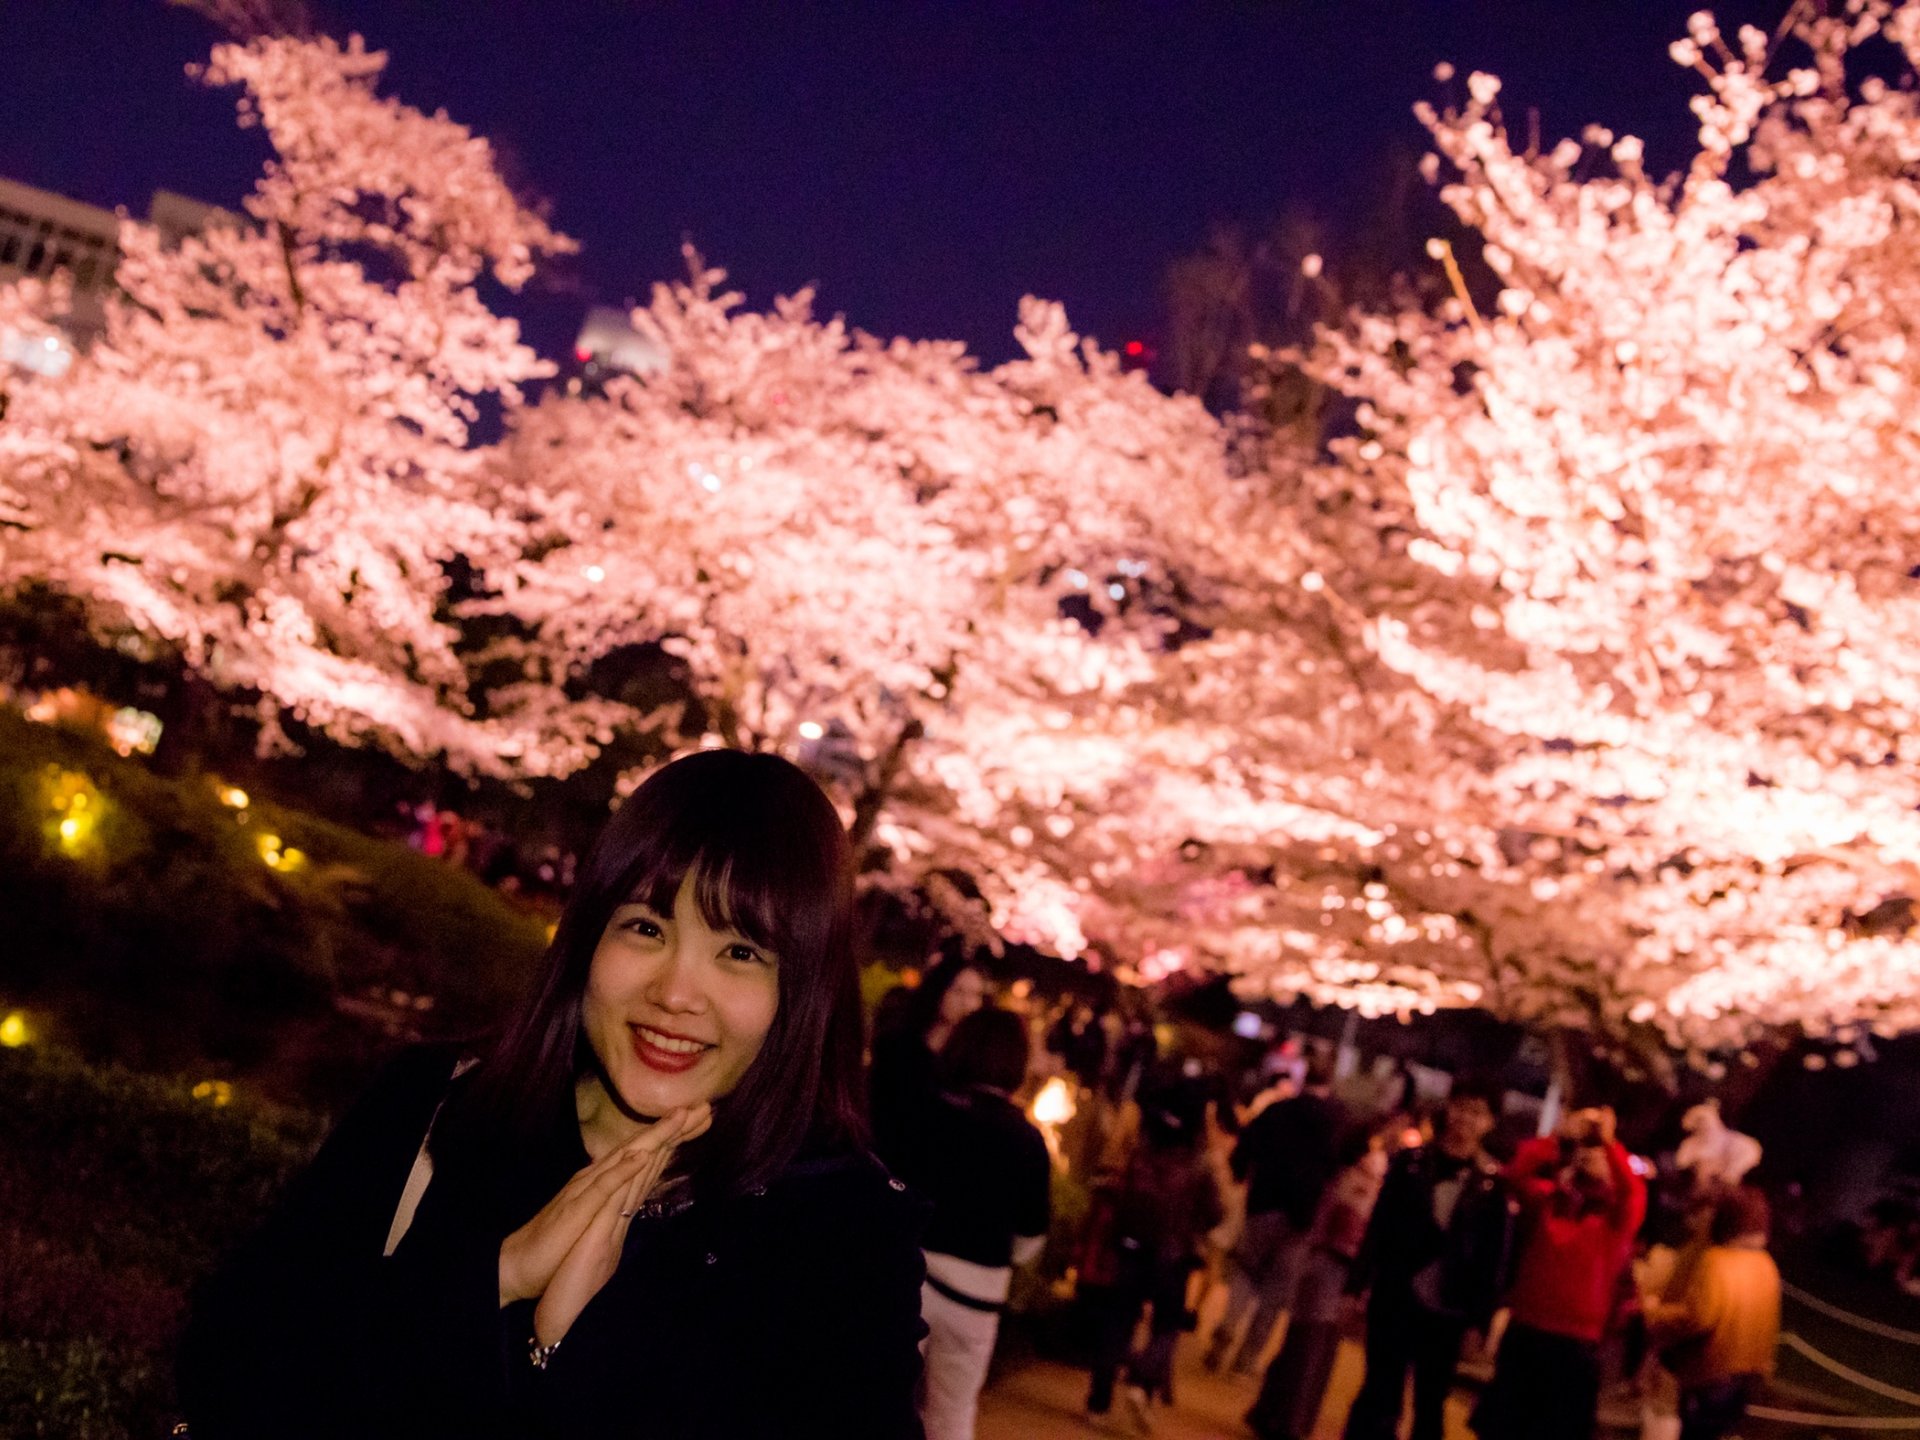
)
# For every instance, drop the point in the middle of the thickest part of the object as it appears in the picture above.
(148, 925)
(119, 1192)
(171, 931)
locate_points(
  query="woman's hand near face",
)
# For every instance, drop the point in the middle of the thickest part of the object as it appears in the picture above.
(619, 1180)
(591, 1261)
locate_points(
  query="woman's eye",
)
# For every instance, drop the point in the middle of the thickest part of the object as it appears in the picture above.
(642, 926)
(745, 954)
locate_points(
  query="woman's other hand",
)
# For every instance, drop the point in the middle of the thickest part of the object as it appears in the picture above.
(532, 1255)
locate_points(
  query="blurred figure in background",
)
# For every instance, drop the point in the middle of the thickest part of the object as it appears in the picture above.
(1716, 1331)
(1080, 1040)
(1714, 1157)
(986, 1170)
(904, 1081)
(1582, 1205)
(1286, 1157)
(1145, 1231)
(1296, 1382)
(1434, 1261)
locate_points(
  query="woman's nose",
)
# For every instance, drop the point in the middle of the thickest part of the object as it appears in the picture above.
(674, 983)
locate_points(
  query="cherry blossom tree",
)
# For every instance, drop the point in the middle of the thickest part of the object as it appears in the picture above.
(1578, 682)
(935, 583)
(267, 457)
(1639, 537)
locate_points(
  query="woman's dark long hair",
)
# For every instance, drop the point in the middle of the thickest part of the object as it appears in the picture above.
(770, 859)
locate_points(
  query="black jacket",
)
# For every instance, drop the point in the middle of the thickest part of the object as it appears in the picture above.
(1403, 1238)
(1288, 1154)
(986, 1170)
(791, 1312)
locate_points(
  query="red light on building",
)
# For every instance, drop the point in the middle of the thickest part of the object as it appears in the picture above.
(582, 354)
(1136, 349)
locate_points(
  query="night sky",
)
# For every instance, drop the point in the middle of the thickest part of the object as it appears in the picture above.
(923, 164)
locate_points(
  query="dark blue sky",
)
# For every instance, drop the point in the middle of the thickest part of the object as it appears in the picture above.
(925, 164)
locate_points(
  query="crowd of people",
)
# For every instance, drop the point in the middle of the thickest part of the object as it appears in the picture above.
(1428, 1232)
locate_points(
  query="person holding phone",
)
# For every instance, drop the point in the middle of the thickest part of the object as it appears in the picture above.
(1582, 1203)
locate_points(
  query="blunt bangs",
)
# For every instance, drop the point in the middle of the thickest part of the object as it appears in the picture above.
(767, 852)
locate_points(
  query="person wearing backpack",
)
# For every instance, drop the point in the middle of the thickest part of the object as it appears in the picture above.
(1145, 1230)
(1296, 1382)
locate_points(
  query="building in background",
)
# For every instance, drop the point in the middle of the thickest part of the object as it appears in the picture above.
(608, 345)
(43, 235)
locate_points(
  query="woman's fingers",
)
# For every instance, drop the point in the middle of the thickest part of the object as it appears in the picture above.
(653, 1147)
(669, 1129)
(566, 1253)
(617, 1182)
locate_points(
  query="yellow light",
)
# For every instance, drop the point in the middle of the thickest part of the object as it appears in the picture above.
(233, 795)
(281, 857)
(214, 1092)
(14, 1032)
(72, 797)
(1054, 1105)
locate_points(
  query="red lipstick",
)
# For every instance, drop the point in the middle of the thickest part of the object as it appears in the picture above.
(656, 1057)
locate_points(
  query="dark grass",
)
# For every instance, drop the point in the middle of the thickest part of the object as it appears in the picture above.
(117, 1193)
(167, 943)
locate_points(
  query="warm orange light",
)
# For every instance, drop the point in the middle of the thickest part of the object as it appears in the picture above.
(1054, 1105)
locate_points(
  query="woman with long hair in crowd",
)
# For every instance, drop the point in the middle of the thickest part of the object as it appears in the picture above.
(905, 1074)
(1717, 1327)
(647, 1209)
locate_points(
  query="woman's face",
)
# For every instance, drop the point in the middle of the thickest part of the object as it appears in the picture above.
(966, 994)
(676, 1010)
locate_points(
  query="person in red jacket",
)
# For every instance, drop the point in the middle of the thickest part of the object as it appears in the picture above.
(1583, 1204)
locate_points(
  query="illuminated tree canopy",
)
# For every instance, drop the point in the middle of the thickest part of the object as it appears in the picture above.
(1578, 680)
(1648, 525)
(266, 458)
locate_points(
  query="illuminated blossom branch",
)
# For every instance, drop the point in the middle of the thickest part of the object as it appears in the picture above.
(876, 556)
(266, 458)
(1661, 488)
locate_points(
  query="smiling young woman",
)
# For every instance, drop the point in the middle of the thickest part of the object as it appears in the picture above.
(648, 1209)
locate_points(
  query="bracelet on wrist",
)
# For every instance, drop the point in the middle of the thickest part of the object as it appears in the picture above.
(540, 1354)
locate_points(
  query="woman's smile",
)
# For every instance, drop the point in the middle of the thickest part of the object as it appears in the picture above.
(665, 1051)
